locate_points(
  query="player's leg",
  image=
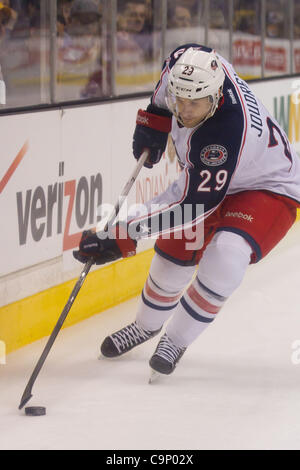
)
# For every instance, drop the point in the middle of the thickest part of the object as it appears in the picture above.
(251, 224)
(221, 270)
(161, 294)
(171, 271)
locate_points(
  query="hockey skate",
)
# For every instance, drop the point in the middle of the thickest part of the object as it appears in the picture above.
(125, 339)
(165, 358)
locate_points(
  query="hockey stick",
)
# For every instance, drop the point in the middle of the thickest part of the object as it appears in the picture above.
(28, 390)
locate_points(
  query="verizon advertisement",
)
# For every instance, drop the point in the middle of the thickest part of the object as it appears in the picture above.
(57, 170)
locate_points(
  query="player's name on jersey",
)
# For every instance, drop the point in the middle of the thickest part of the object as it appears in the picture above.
(256, 121)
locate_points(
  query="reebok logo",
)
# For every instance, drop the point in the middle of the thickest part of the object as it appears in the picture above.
(91, 245)
(143, 120)
(240, 215)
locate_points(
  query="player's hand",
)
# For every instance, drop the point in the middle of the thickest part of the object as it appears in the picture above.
(115, 245)
(151, 132)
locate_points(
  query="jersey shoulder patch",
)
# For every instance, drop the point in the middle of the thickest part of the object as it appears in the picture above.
(219, 141)
(213, 155)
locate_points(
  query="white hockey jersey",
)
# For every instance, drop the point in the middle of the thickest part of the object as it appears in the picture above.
(242, 147)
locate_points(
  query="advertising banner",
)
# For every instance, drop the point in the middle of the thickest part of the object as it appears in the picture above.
(57, 170)
(31, 189)
(282, 98)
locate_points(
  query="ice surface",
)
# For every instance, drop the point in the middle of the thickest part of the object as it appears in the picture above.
(236, 387)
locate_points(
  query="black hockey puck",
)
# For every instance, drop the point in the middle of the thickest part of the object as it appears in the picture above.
(35, 411)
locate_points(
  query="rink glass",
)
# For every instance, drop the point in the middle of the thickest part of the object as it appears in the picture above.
(76, 51)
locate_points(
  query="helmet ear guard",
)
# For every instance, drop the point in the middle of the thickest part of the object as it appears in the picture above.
(197, 74)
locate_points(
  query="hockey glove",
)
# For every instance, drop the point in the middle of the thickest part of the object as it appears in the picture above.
(109, 249)
(151, 132)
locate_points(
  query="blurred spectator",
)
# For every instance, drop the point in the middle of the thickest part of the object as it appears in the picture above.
(179, 16)
(8, 17)
(63, 15)
(217, 19)
(277, 18)
(192, 6)
(29, 14)
(184, 23)
(245, 21)
(5, 17)
(132, 16)
(33, 11)
(136, 39)
(134, 52)
(275, 24)
(297, 19)
(79, 52)
(134, 32)
(84, 19)
(95, 86)
(183, 14)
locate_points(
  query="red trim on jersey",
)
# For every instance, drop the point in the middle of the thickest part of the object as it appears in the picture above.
(221, 102)
(161, 79)
(201, 302)
(189, 148)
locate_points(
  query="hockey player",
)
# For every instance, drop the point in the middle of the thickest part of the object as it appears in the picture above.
(237, 162)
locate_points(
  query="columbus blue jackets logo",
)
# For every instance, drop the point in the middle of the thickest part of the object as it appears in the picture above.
(214, 155)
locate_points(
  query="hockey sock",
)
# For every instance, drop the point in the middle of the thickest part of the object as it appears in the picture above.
(162, 292)
(156, 306)
(196, 310)
(220, 272)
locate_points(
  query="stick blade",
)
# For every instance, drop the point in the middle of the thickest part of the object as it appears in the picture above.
(25, 398)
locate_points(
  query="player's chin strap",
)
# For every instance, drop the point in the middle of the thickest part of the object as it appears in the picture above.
(27, 394)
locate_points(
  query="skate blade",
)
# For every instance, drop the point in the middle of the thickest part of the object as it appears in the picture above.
(154, 376)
